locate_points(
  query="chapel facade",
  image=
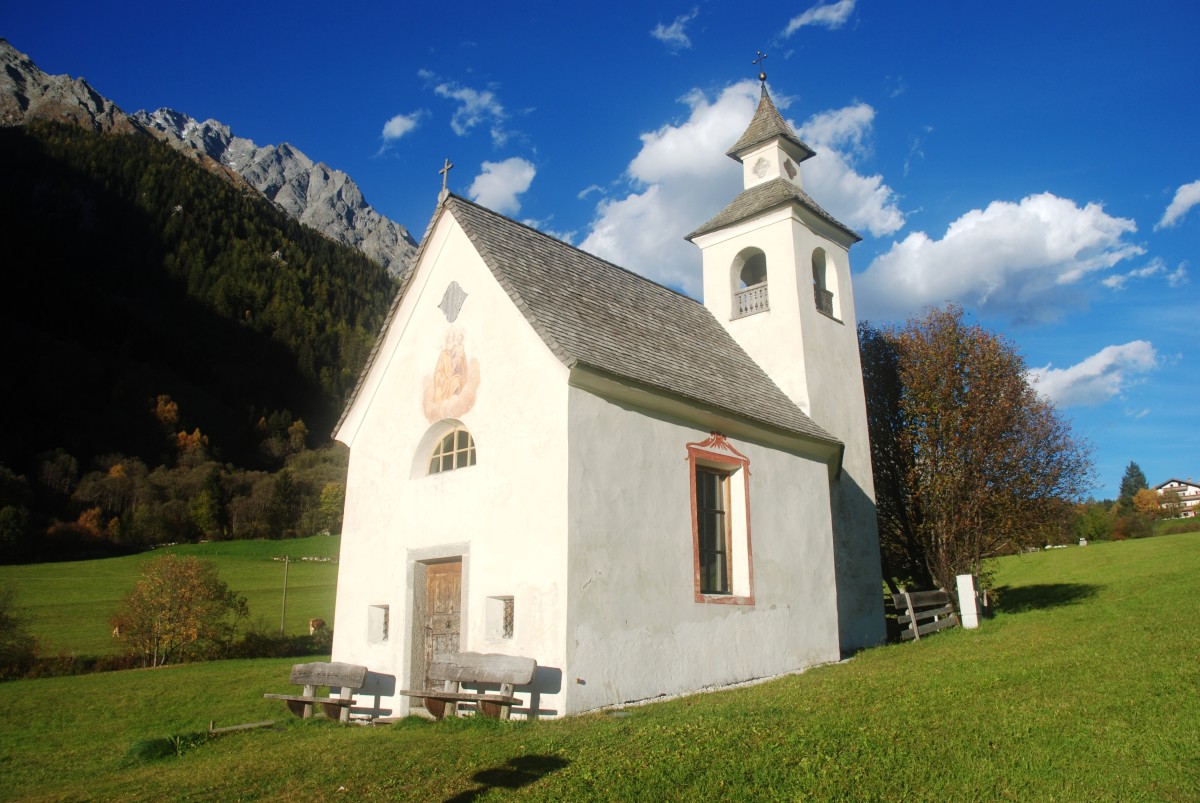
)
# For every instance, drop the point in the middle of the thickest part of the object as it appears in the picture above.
(553, 457)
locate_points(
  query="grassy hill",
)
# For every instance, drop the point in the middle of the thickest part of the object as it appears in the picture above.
(67, 605)
(1083, 687)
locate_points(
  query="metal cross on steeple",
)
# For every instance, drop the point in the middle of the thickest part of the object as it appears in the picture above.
(445, 171)
(762, 75)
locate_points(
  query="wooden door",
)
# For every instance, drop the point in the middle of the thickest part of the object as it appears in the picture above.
(443, 619)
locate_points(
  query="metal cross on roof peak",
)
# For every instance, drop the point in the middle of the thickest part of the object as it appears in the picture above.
(762, 75)
(445, 171)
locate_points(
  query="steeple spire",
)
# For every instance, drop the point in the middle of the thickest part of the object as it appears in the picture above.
(767, 125)
(769, 148)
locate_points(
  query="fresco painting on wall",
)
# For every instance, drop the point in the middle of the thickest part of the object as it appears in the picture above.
(450, 391)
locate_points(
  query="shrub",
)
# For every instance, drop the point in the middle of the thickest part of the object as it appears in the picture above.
(1132, 525)
(180, 610)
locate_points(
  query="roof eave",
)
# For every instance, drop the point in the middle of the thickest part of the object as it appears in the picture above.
(817, 445)
(712, 225)
(803, 152)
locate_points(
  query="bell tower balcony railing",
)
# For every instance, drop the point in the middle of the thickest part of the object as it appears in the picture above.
(750, 300)
(824, 300)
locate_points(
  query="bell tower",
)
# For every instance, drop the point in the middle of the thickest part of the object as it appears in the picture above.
(777, 276)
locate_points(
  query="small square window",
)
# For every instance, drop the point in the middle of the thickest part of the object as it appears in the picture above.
(377, 623)
(500, 617)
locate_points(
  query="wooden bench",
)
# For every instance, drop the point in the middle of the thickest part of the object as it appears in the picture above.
(347, 677)
(921, 612)
(475, 669)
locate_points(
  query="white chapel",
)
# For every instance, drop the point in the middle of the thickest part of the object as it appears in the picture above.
(553, 457)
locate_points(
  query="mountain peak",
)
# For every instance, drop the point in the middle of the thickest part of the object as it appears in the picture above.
(313, 193)
(27, 93)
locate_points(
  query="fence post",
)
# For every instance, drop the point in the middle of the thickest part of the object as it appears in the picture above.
(968, 603)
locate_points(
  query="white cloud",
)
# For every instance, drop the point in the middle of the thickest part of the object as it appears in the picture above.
(1185, 198)
(543, 226)
(498, 186)
(1098, 378)
(832, 16)
(1179, 276)
(1017, 260)
(1155, 267)
(915, 149)
(1118, 281)
(681, 178)
(400, 125)
(475, 108)
(674, 36)
(840, 138)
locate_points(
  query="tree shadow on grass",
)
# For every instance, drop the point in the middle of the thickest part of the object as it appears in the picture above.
(1046, 595)
(517, 772)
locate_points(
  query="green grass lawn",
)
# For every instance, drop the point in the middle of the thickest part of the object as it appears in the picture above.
(1085, 686)
(67, 605)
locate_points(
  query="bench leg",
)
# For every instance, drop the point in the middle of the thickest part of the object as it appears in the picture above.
(300, 708)
(493, 710)
(505, 709)
(436, 708)
(339, 712)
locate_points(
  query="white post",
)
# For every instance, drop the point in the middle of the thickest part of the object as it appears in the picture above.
(967, 602)
(283, 612)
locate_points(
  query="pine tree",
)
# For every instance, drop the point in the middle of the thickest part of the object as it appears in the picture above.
(1133, 481)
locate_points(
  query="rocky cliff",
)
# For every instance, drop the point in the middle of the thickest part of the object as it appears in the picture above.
(27, 93)
(318, 196)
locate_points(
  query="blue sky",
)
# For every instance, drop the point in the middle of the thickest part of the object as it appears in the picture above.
(1036, 162)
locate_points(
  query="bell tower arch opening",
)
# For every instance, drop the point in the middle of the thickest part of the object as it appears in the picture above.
(825, 284)
(748, 283)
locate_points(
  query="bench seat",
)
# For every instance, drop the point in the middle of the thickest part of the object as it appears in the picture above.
(310, 676)
(475, 668)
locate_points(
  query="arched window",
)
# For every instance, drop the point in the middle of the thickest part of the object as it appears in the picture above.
(456, 449)
(825, 284)
(749, 285)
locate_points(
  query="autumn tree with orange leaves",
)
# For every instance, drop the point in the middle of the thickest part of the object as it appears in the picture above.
(180, 610)
(969, 460)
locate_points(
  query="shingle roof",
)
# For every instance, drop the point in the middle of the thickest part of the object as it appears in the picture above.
(763, 198)
(767, 124)
(592, 313)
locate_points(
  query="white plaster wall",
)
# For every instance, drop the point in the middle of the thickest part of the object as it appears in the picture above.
(775, 158)
(772, 338)
(814, 359)
(506, 515)
(635, 630)
(838, 403)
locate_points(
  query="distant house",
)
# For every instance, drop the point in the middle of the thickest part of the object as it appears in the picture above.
(1179, 498)
(553, 457)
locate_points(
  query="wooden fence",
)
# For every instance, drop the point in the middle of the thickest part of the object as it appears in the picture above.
(921, 612)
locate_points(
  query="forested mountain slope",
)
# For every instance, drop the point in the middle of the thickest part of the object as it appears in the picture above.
(145, 302)
(131, 272)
